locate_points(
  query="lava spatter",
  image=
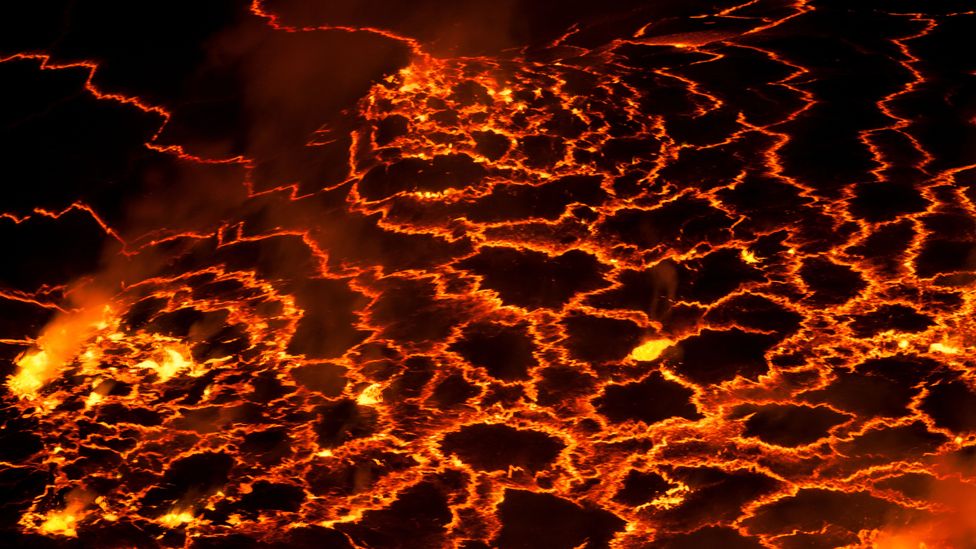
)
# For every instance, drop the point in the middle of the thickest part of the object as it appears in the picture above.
(676, 278)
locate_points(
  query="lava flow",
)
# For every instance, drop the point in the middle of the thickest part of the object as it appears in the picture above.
(494, 274)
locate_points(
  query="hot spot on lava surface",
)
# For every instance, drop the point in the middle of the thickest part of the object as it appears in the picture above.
(516, 274)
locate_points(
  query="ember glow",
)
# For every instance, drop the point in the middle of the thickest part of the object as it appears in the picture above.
(489, 274)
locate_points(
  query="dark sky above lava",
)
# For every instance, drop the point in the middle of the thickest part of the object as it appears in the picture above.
(518, 273)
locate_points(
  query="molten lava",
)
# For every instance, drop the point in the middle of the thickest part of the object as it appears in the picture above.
(694, 277)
